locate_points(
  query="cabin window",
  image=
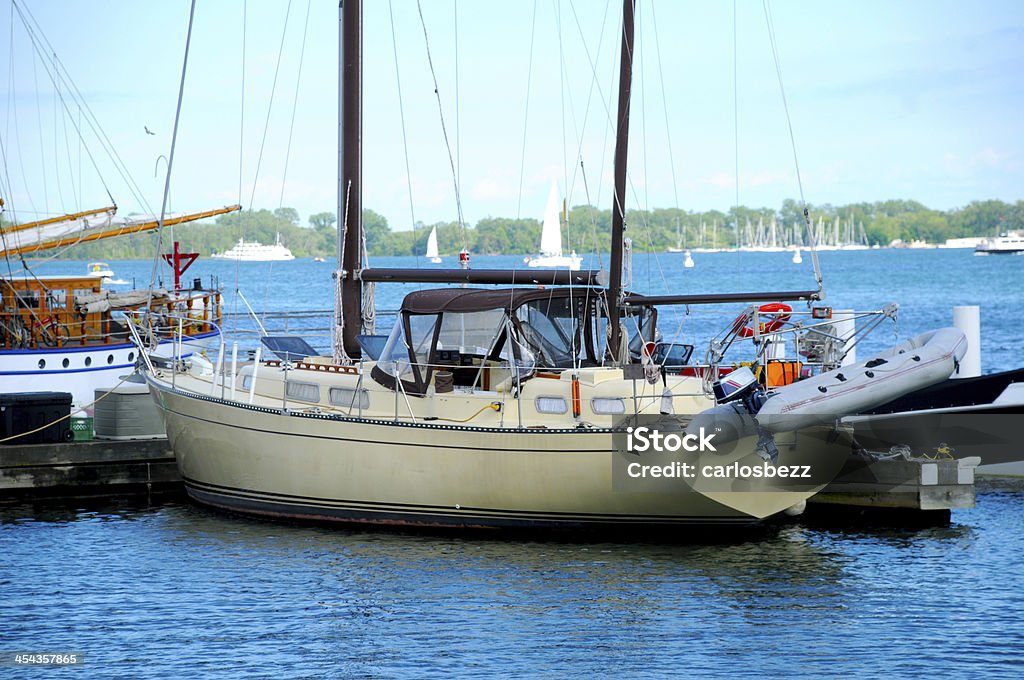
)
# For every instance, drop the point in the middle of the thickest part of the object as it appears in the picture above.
(394, 359)
(421, 336)
(349, 398)
(27, 299)
(611, 406)
(551, 405)
(303, 391)
(471, 332)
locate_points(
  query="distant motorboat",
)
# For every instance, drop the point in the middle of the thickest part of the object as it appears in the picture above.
(551, 239)
(100, 269)
(318, 259)
(254, 251)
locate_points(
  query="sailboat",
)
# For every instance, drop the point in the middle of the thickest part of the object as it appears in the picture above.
(551, 238)
(432, 246)
(483, 408)
(68, 333)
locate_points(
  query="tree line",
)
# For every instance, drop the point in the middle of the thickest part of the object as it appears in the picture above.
(587, 229)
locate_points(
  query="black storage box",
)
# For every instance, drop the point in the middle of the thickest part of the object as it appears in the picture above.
(26, 411)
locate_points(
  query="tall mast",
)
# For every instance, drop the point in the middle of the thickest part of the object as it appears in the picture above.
(350, 166)
(621, 148)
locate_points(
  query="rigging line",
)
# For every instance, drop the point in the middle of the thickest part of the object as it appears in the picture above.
(557, 6)
(58, 75)
(736, 113)
(270, 105)
(39, 41)
(458, 128)
(241, 113)
(526, 111)
(792, 140)
(444, 130)
(295, 104)
(13, 119)
(595, 83)
(405, 142)
(241, 156)
(39, 120)
(170, 157)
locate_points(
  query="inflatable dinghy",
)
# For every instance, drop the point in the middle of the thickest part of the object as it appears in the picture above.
(922, 361)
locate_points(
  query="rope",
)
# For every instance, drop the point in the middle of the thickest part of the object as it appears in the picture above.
(405, 141)
(444, 130)
(526, 112)
(295, 104)
(170, 158)
(59, 75)
(792, 139)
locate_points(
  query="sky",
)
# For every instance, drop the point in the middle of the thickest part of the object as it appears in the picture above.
(919, 100)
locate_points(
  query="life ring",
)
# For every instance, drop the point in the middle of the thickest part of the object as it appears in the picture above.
(780, 312)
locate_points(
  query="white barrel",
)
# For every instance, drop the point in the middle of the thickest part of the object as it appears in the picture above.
(845, 324)
(968, 320)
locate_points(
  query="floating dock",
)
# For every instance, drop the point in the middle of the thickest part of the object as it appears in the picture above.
(898, 486)
(87, 468)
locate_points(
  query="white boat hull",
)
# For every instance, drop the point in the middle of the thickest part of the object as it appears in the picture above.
(80, 370)
(572, 262)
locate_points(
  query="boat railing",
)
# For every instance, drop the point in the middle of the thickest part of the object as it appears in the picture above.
(42, 321)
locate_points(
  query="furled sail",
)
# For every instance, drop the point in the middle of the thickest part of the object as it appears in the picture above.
(89, 225)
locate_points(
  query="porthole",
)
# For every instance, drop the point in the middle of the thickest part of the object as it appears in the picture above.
(110, 358)
(66, 362)
(131, 356)
(42, 363)
(88, 361)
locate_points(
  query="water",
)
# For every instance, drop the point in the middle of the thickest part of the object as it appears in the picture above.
(174, 590)
(168, 589)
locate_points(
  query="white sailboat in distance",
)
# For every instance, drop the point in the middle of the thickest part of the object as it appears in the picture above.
(432, 252)
(551, 238)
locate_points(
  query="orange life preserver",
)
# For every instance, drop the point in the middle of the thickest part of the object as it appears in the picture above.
(779, 310)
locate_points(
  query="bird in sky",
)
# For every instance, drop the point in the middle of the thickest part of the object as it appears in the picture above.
(148, 131)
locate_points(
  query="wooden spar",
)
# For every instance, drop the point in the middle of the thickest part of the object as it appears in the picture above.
(545, 277)
(619, 197)
(118, 230)
(350, 184)
(10, 229)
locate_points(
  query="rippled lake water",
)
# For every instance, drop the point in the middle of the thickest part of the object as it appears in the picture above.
(167, 589)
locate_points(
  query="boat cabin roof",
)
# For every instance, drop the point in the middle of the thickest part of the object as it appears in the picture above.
(436, 300)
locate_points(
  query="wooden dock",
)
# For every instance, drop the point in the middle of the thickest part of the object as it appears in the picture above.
(87, 468)
(898, 488)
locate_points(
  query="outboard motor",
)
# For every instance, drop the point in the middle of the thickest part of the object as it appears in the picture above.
(739, 396)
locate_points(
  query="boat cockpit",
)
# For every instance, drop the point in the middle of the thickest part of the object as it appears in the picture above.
(490, 338)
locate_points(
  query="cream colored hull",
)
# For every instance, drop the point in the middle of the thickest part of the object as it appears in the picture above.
(300, 465)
